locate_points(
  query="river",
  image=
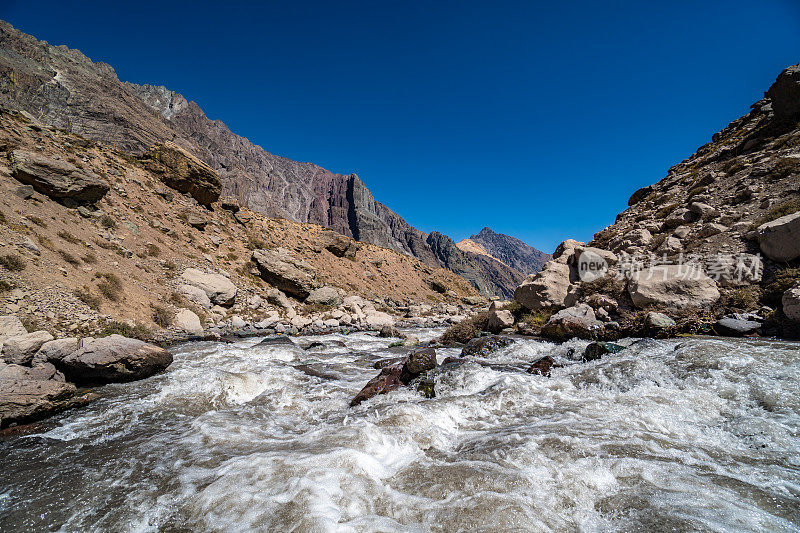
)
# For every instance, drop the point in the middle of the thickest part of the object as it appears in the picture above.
(667, 435)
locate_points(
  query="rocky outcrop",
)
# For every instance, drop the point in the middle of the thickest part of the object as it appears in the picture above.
(509, 250)
(672, 286)
(183, 172)
(281, 270)
(578, 321)
(57, 179)
(395, 375)
(546, 289)
(780, 239)
(20, 349)
(25, 396)
(114, 359)
(219, 289)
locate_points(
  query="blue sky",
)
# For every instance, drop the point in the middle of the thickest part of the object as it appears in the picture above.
(538, 119)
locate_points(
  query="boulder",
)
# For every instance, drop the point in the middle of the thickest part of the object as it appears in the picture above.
(711, 229)
(499, 320)
(640, 195)
(785, 94)
(281, 270)
(389, 332)
(195, 295)
(114, 359)
(596, 350)
(420, 360)
(280, 340)
(545, 289)
(10, 326)
(56, 350)
(542, 366)
(229, 203)
(780, 239)
(41, 372)
(389, 379)
(276, 297)
(791, 302)
(657, 321)
(325, 296)
(186, 320)
(378, 319)
(180, 170)
(25, 400)
(672, 286)
(578, 321)
(704, 211)
(483, 346)
(219, 289)
(734, 327)
(19, 350)
(394, 375)
(338, 244)
(57, 179)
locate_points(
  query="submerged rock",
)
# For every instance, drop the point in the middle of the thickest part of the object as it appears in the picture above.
(399, 373)
(543, 366)
(596, 350)
(483, 346)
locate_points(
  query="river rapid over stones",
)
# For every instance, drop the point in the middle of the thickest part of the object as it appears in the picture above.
(683, 434)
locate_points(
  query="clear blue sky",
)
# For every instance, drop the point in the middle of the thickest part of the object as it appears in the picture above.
(538, 119)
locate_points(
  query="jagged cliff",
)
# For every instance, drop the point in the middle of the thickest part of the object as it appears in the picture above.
(64, 88)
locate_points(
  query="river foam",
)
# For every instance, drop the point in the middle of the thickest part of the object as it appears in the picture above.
(688, 434)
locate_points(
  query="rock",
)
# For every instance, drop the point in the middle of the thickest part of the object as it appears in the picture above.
(114, 359)
(10, 326)
(229, 203)
(679, 217)
(546, 289)
(325, 296)
(219, 289)
(791, 302)
(24, 191)
(56, 350)
(578, 321)
(780, 239)
(420, 360)
(671, 245)
(640, 195)
(338, 244)
(195, 295)
(388, 361)
(733, 327)
(196, 221)
(542, 366)
(673, 286)
(596, 350)
(183, 172)
(19, 350)
(499, 320)
(483, 346)
(709, 230)
(280, 340)
(655, 320)
(785, 94)
(42, 372)
(389, 332)
(704, 211)
(57, 179)
(378, 319)
(388, 380)
(25, 400)
(186, 320)
(31, 246)
(238, 322)
(281, 270)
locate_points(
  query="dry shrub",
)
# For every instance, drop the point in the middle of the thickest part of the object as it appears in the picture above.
(161, 316)
(152, 250)
(110, 286)
(12, 262)
(38, 221)
(69, 237)
(86, 296)
(89, 258)
(68, 257)
(465, 330)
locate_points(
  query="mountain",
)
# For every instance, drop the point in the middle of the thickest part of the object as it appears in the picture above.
(63, 88)
(506, 249)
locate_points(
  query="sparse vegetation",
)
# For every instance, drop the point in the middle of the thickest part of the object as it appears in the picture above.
(69, 237)
(611, 285)
(89, 258)
(465, 330)
(666, 210)
(135, 331)
(5, 286)
(107, 222)
(38, 221)
(152, 250)
(86, 296)
(110, 286)
(536, 319)
(161, 316)
(69, 258)
(12, 262)
(254, 243)
(170, 266)
(786, 208)
(3, 220)
(785, 167)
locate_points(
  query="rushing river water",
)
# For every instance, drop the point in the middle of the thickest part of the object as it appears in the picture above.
(677, 435)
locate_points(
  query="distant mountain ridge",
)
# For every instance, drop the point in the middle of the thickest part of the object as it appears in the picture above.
(62, 87)
(507, 249)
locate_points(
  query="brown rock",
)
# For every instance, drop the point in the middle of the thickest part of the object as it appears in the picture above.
(57, 179)
(182, 171)
(543, 366)
(114, 359)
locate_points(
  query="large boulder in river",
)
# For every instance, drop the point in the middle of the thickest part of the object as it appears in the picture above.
(182, 171)
(281, 270)
(780, 239)
(393, 376)
(19, 350)
(499, 319)
(56, 350)
(57, 179)
(547, 288)
(114, 359)
(578, 321)
(483, 346)
(672, 286)
(219, 289)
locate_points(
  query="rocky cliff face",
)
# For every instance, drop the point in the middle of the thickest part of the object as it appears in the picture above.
(506, 249)
(63, 88)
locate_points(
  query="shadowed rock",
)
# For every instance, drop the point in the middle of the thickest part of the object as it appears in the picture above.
(57, 179)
